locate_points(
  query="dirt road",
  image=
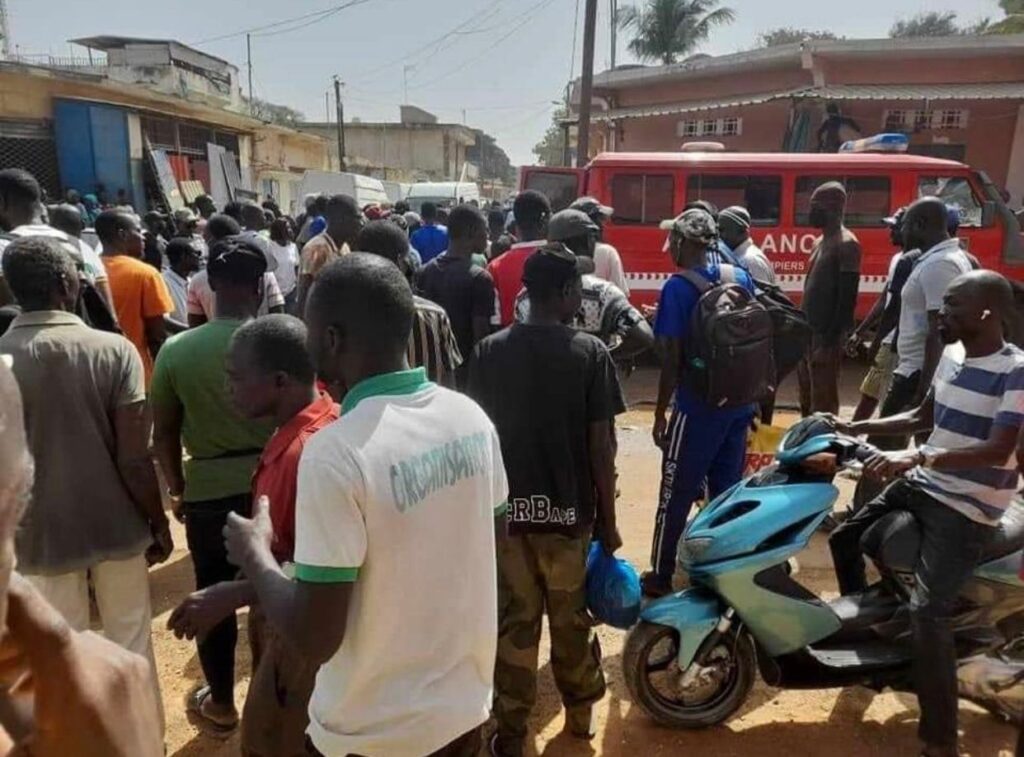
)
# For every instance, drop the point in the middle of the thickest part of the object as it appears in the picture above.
(851, 723)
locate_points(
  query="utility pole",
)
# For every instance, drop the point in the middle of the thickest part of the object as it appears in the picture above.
(327, 105)
(586, 84)
(248, 62)
(614, 30)
(405, 82)
(5, 31)
(340, 108)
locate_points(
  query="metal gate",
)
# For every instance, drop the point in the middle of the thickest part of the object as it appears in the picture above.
(30, 145)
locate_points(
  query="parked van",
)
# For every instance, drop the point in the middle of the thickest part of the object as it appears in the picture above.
(645, 188)
(447, 193)
(363, 189)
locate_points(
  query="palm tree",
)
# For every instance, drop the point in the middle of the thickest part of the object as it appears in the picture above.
(664, 30)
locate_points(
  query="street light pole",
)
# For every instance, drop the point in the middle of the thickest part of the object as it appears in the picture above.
(341, 123)
(586, 84)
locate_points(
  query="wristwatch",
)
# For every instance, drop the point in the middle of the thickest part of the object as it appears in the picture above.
(928, 455)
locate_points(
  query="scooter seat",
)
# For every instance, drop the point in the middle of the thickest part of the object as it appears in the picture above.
(894, 540)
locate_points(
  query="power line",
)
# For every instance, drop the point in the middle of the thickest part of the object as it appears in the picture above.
(527, 18)
(315, 16)
(575, 31)
(434, 46)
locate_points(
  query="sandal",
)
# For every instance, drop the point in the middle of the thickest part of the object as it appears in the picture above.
(215, 725)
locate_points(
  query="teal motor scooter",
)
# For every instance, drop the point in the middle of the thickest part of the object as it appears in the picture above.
(692, 659)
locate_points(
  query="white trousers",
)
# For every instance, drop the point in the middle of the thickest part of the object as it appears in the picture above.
(122, 596)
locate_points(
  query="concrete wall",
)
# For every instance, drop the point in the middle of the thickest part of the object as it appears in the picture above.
(398, 152)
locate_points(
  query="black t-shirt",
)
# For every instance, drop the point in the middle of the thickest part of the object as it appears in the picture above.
(542, 386)
(464, 290)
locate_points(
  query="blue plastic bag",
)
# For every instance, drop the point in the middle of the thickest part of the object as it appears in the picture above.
(613, 589)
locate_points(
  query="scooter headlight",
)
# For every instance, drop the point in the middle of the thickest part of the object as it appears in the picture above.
(692, 550)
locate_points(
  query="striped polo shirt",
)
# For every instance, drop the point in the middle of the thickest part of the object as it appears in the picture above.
(971, 396)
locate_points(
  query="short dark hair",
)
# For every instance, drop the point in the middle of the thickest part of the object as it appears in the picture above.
(428, 211)
(319, 205)
(34, 268)
(66, 218)
(401, 207)
(277, 343)
(17, 185)
(219, 226)
(496, 218)
(178, 248)
(281, 228)
(109, 223)
(252, 215)
(341, 206)
(531, 208)
(385, 239)
(463, 220)
(369, 299)
(234, 210)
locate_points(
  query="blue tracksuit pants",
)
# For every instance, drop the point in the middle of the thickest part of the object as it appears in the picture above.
(704, 446)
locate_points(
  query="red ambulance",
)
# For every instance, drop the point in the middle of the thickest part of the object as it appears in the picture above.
(645, 188)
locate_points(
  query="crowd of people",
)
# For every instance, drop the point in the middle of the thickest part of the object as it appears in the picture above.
(332, 400)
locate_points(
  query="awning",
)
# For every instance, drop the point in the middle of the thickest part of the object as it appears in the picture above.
(669, 109)
(991, 91)
(917, 92)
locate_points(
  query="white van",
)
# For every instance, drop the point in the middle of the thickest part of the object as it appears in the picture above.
(448, 193)
(363, 189)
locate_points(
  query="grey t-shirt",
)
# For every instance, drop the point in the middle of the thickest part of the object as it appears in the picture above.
(72, 379)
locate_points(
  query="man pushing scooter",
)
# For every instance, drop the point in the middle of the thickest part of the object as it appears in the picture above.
(957, 486)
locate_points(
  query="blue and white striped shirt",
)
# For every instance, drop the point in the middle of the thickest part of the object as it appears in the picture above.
(971, 396)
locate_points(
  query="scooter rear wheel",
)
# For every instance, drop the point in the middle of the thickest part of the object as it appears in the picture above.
(653, 677)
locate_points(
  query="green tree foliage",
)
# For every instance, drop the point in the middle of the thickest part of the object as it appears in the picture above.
(935, 24)
(551, 148)
(275, 114)
(1014, 21)
(787, 35)
(666, 30)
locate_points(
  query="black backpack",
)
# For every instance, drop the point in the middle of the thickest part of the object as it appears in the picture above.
(727, 354)
(791, 334)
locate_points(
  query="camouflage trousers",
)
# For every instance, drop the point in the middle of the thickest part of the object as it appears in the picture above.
(538, 572)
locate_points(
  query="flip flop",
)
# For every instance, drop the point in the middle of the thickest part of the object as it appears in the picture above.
(211, 724)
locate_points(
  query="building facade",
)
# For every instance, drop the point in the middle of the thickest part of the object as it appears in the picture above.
(93, 124)
(960, 98)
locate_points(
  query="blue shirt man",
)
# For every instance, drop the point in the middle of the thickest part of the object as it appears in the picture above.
(431, 239)
(700, 443)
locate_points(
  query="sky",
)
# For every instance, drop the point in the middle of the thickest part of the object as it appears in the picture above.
(497, 65)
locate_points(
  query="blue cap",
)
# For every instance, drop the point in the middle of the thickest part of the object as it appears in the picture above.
(952, 218)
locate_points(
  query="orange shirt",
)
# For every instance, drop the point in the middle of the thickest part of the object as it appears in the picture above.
(139, 293)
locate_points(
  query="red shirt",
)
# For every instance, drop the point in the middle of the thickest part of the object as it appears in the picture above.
(507, 272)
(277, 472)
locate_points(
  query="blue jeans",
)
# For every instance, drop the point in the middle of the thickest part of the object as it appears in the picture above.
(702, 446)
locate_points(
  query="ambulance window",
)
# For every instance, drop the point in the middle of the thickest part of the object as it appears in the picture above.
(868, 198)
(642, 198)
(760, 195)
(560, 188)
(956, 191)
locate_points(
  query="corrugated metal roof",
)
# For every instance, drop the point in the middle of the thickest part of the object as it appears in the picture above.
(668, 109)
(991, 91)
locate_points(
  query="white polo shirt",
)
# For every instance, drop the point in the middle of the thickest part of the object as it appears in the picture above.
(399, 496)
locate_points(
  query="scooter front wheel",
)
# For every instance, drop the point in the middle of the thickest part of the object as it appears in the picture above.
(709, 696)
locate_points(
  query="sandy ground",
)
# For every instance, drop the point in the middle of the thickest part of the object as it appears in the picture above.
(853, 722)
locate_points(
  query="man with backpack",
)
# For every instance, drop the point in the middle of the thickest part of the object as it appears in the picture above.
(715, 373)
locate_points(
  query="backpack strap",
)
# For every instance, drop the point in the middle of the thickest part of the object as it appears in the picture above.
(702, 284)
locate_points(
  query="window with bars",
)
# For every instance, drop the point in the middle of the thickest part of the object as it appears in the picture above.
(710, 127)
(920, 119)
